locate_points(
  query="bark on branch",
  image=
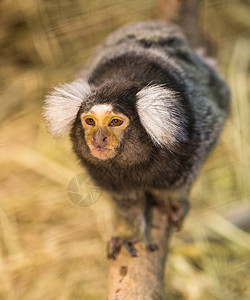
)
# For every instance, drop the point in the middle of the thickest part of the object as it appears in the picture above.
(142, 277)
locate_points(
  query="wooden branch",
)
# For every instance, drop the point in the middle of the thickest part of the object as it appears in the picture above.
(142, 277)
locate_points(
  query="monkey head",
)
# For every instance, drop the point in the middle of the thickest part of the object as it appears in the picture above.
(107, 125)
(116, 119)
(103, 129)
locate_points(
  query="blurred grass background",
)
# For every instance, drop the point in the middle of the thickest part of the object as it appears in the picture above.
(51, 249)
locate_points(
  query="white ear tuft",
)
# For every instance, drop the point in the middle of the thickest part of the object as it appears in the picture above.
(62, 105)
(161, 115)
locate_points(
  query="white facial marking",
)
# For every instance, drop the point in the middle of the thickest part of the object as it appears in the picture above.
(161, 115)
(62, 105)
(101, 109)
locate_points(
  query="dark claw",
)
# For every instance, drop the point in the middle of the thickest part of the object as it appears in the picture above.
(113, 247)
(129, 247)
(177, 211)
(115, 244)
(152, 247)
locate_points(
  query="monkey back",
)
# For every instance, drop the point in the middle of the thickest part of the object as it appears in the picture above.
(157, 53)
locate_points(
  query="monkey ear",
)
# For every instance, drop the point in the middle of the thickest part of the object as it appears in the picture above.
(161, 115)
(62, 105)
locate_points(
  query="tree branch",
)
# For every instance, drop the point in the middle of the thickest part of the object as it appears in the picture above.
(142, 277)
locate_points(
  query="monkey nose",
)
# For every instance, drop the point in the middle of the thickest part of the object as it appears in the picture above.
(100, 141)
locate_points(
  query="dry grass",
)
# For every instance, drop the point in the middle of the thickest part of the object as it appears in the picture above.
(50, 249)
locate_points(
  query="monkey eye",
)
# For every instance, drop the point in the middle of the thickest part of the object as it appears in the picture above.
(90, 121)
(116, 122)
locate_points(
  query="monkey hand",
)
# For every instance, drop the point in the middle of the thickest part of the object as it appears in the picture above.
(176, 211)
(130, 229)
(175, 204)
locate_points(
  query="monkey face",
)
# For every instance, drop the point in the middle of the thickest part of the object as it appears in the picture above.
(104, 130)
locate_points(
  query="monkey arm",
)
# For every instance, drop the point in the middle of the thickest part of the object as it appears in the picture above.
(131, 224)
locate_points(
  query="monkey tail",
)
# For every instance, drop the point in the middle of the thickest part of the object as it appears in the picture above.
(187, 14)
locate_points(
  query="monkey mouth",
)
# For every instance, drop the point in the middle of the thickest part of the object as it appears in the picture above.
(102, 153)
(103, 150)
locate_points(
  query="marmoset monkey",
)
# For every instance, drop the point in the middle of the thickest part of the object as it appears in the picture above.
(142, 120)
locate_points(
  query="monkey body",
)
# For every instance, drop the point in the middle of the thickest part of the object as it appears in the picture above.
(171, 105)
(155, 53)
